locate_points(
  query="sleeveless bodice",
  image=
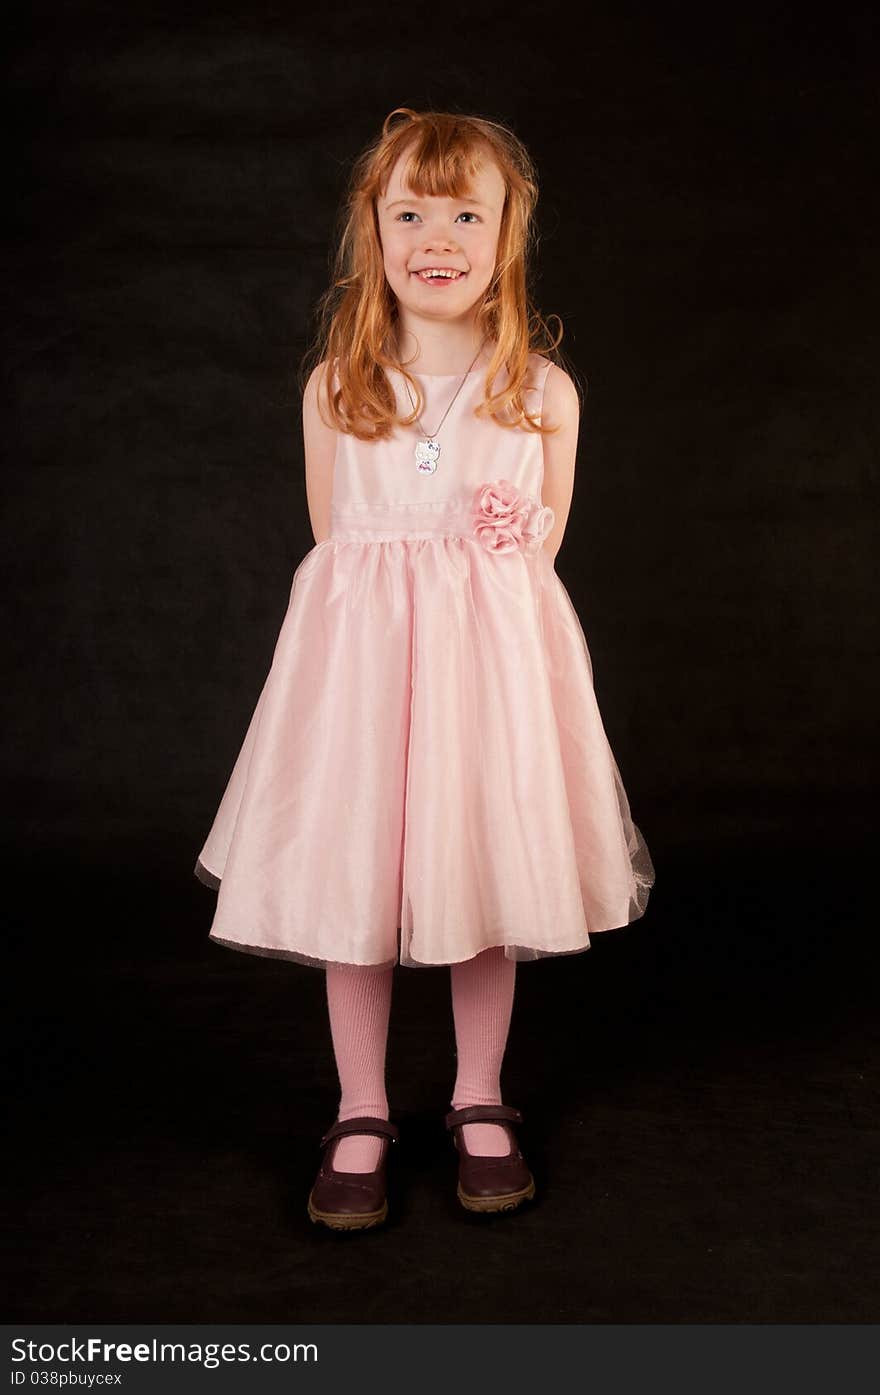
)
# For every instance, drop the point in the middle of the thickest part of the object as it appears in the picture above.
(378, 489)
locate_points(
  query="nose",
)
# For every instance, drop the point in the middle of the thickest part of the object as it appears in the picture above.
(439, 238)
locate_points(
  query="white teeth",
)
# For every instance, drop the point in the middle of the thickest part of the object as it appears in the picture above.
(430, 274)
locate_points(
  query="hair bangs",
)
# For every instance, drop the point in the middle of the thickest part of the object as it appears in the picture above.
(442, 163)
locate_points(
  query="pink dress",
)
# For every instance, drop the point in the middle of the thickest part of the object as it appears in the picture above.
(426, 773)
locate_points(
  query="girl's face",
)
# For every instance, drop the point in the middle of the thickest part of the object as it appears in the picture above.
(443, 234)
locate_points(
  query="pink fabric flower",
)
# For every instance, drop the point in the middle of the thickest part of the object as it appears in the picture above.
(505, 520)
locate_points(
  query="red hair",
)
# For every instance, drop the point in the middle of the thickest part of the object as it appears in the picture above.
(357, 314)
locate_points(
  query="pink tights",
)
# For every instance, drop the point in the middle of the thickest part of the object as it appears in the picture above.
(359, 1004)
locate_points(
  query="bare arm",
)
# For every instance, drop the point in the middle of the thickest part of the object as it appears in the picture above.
(319, 440)
(561, 408)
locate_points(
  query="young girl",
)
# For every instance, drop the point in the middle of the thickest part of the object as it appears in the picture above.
(426, 779)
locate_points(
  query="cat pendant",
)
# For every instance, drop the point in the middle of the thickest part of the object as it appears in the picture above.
(426, 456)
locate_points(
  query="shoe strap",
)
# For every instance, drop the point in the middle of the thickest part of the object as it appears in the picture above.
(473, 1112)
(365, 1123)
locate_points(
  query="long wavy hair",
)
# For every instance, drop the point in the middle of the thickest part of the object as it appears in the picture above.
(357, 314)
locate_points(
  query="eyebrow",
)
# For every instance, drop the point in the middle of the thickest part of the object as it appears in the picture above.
(416, 199)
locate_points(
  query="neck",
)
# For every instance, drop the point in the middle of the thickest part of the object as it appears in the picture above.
(433, 348)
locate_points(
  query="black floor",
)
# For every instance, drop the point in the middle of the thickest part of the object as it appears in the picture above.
(699, 1091)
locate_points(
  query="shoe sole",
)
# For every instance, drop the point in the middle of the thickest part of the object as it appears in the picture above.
(508, 1202)
(348, 1220)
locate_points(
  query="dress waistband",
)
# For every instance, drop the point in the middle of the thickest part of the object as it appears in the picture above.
(375, 522)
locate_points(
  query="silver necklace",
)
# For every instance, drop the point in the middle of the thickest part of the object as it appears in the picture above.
(427, 451)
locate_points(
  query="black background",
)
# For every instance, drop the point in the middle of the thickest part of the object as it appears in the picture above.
(700, 1088)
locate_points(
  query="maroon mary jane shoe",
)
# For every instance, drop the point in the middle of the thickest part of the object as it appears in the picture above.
(486, 1183)
(352, 1200)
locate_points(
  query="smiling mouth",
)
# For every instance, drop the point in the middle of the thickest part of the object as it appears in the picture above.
(438, 274)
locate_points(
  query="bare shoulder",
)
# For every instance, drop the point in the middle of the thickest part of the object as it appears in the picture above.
(320, 440)
(561, 405)
(319, 434)
(315, 398)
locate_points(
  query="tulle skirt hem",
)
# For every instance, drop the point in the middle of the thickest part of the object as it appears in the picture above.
(520, 953)
(403, 958)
